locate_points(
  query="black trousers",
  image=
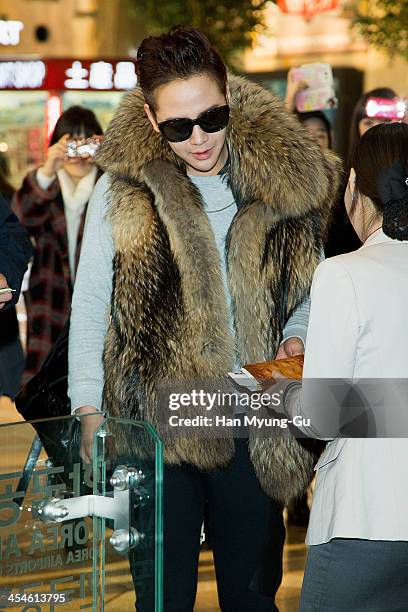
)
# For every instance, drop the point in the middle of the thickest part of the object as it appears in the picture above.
(247, 536)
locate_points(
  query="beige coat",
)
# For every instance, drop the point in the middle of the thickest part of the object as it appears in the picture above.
(358, 329)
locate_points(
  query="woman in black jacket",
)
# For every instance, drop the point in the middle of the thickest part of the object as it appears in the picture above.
(15, 253)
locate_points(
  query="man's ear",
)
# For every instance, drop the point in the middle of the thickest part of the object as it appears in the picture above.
(151, 117)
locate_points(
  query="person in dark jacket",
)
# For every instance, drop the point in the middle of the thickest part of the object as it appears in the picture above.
(51, 204)
(15, 253)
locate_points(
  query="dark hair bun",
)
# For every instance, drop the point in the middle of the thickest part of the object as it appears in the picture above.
(393, 191)
(393, 183)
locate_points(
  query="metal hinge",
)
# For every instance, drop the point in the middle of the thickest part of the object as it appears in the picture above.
(116, 508)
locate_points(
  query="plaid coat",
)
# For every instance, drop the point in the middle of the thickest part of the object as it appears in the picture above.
(48, 299)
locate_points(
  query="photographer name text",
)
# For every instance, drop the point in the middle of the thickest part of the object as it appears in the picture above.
(244, 420)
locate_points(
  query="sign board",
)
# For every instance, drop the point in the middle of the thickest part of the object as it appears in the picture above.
(10, 32)
(307, 8)
(68, 74)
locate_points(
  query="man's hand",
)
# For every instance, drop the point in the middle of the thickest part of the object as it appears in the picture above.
(89, 424)
(290, 348)
(4, 297)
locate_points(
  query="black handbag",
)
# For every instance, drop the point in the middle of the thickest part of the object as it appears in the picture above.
(45, 396)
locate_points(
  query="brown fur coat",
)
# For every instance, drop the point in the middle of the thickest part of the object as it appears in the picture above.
(169, 310)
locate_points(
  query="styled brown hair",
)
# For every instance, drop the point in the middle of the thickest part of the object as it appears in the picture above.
(379, 149)
(179, 54)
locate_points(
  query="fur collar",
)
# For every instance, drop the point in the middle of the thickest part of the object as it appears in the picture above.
(272, 160)
(170, 318)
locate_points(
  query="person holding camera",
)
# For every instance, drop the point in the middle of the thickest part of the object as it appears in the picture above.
(51, 204)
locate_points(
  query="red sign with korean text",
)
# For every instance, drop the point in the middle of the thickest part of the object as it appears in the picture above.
(307, 8)
(68, 74)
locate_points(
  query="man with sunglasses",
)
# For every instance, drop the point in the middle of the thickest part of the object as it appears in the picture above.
(201, 243)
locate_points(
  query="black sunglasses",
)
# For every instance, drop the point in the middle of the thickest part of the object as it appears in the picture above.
(210, 121)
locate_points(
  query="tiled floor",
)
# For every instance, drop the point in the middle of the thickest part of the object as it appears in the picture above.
(288, 595)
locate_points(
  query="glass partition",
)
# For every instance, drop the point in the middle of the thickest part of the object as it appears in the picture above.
(79, 536)
(129, 454)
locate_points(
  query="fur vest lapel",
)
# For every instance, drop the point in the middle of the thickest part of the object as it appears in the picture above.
(169, 309)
